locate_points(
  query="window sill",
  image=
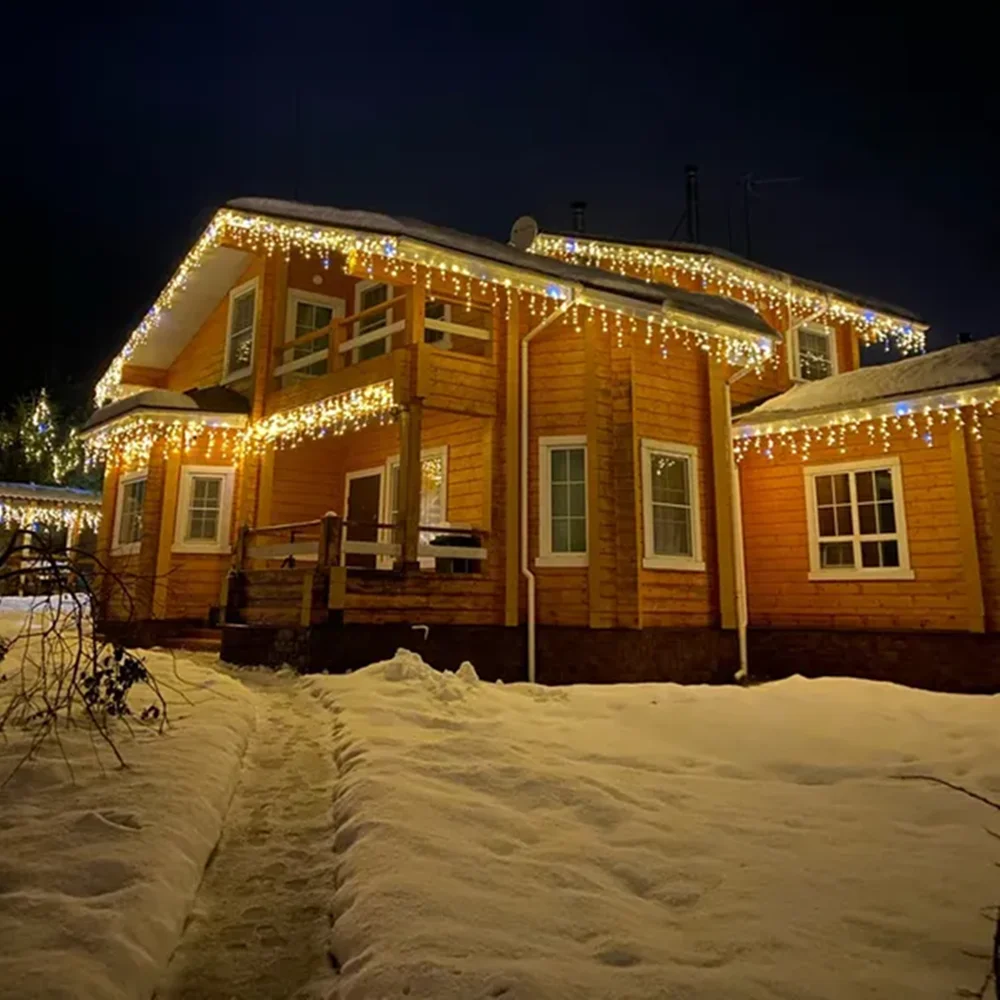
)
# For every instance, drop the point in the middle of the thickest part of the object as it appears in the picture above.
(861, 575)
(673, 563)
(201, 550)
(236, 376)
(559, 561)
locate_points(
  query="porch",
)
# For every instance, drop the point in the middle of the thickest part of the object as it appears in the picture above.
(333, 571)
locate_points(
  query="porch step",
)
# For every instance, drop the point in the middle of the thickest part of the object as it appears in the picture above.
(195, 640)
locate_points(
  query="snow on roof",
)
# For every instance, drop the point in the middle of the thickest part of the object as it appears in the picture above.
(53, 494)
(709, 307)
(217, 399)
(698, 248)
(977, 363)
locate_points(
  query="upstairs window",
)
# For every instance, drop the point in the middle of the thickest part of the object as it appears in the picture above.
(203, 509)
(128, 512)
(562, 501)
(856, 521)
(815, 354)
(242, 320)
(367, 295)
(671, 514)
(308, 312)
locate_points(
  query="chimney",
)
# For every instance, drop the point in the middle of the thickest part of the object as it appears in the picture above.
(691, 203)
(965, 337)
(579, 216)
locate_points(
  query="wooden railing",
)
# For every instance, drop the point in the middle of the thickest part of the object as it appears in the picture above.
(325, 541)
(343, 336)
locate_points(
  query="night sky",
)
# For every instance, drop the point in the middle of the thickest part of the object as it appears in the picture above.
(124, 133)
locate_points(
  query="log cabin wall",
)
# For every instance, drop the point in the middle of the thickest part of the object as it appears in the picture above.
(671, 405)
(984, 471)
(943, 593)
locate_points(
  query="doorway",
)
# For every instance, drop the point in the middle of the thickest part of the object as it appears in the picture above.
(363, 503)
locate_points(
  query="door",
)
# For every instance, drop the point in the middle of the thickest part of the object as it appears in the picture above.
(364, 501)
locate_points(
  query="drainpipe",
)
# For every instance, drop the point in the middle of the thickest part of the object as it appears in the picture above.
(525, 568)
(739, 557)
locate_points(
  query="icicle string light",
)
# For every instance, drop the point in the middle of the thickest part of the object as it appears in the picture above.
(916, 421)
(412, 262)
(131, 440)
(734, 281)
(14, 513)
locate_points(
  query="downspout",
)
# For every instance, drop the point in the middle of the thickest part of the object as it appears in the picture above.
(739, 557)
(525, 567)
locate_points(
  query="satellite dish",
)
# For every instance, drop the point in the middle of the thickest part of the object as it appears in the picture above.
(523, 232)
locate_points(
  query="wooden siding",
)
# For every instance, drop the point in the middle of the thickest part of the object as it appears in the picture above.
(777, 555)
(984, 470)
(557, 405)
(202, 360)
(671, 403)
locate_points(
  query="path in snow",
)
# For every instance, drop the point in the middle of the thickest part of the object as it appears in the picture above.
(260, 924)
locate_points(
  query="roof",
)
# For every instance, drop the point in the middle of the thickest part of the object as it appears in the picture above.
(709, 307)
(217, 399)
(959, 367)
(52, 494)
(674, 246)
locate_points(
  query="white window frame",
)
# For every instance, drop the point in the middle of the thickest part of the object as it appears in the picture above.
(546, 557)
(235, 293)
(696, 561)
(392, 462)
(221, 543)
(858, 572)
(359, 340)
(295, 296)
(129, 548)
(794, 358)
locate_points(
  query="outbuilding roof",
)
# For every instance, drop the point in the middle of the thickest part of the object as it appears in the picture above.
(49, 494)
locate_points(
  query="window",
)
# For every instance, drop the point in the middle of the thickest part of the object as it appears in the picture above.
(128, 513)
(433, 492)
(815, 356)
(857, 524)
(434, 333)
(203, 509)
(367, 295)
(308, 312)
(671, 514)
(239, 342)
(562, 501)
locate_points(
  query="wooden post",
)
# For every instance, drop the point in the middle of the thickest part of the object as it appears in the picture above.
(240, 549)
(512, 464)
(415, 309)
(967, 532)
(171, 486)
(410, 420)
(722, 479)
(328, 527)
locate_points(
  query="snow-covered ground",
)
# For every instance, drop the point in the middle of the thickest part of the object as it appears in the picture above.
(659, 841)
(98, 869)
(471, 840)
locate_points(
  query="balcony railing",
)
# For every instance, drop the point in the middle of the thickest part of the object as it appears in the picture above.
(448, 323)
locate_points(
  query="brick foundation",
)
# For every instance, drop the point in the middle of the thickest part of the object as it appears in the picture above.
(964, 662)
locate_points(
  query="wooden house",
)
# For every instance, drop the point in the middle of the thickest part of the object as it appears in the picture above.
(339, 432)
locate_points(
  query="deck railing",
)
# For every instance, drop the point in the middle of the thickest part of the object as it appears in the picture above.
(327, 542)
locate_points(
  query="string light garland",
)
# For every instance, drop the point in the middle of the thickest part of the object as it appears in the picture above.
(734, 281)
(875, 425)
(15, 513)
(412, 262)
(131, 440)
(334, 416)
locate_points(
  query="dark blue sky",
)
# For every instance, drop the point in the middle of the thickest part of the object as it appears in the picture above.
(128, 130)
